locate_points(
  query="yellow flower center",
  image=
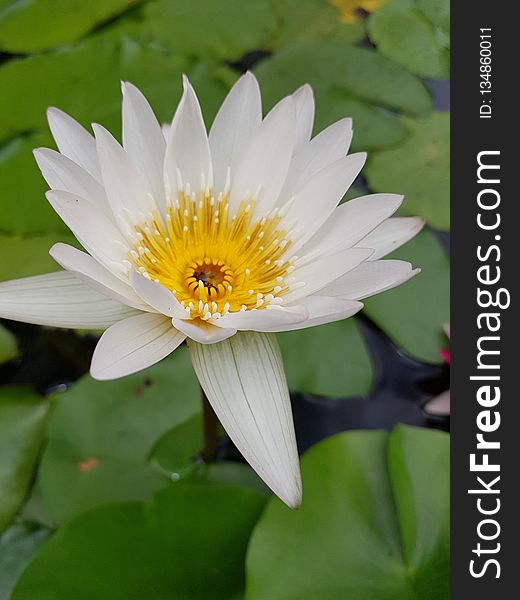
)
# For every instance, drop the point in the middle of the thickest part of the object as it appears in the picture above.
(214, 262)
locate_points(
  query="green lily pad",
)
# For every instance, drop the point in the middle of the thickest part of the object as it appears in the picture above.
(404, 32)
(101, 434)
(328, 360)
(27, 27)
(347, 81)
(419, 168)
(187, 542)
(18, 544)
(312, 20)
(414, 313)
(8, 346)
(83, 81)
(22, 419)
(374, 523)
(27, 256)
(223, 30)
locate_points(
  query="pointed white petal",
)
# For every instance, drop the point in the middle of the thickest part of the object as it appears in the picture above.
(133, 345)
(327, 147)
(304, 105)
(202, 331)
(391, 234)
(315, 202)
(324, 309)
(187, 151)
(127, 191)
(371, 277)
(59, 300)
(440, 405)
(351, 222)
(314, 276)
(268, 319)
(95, 275)
(143, 139)
(156, 295)
(61, 173)
(238, 118)
(262, 170)
(244, 381)
(74, 141)
(95, 232)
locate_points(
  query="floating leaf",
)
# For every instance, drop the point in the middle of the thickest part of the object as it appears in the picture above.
(22, 420)
(101, 434)
(29, 255)
(27, 27)
(329, 360)
(413, 314)
(188, 542)
(83, 81)
(347, 538)
(404, 33)
(347, 81)
(18, 544)
(312, 20)
(419, 168)
(8, 346)
(223, 30)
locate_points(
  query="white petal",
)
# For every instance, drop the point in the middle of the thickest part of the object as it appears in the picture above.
(391, 234)
(238, 118)
(61, 173)
(95, 275)
(262, 169)
(59, 300)
(440, 405)
(95, 232)
(350, 222)
(324, 309)
(127, 191)
(187, 150)
(371, 277)
(268, 319)
(143, 139)
(327, 147)
(314, 276)
(304, 106)
(202, 331)
(74, 141)
(156, 295)
(133, 345)
(244, 380)
(316, 201)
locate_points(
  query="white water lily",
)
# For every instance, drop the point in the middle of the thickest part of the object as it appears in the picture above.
(220, 239)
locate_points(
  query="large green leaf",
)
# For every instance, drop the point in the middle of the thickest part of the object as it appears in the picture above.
(347, 81)
(419, 168)
(223, 30)
(328, 360)
(312, 20)
(18, 544)
(404, 32)
(8, 346)
(24, 256)
(101, 433)
(84, 81)
(188, 542)
(348, 540)
(22, 420)
(36, 25)
(413, 314)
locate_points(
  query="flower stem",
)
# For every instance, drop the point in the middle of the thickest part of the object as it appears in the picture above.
(210, 430)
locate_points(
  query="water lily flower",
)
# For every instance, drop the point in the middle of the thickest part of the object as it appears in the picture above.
(221, 240)
(441, 404)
